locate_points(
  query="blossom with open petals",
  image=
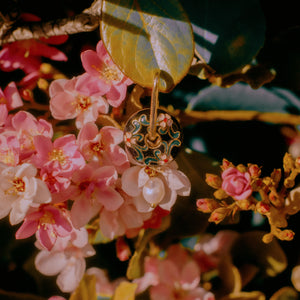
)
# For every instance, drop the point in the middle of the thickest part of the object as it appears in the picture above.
(27, 56)
(47, 222)
(123, 220)
(66, 259)
(25, 126)
(20, 190)
(9, 149)
(150, 187)
(77, 98)
(236, 184)
(102, 146)
(57, 160)
(10, 96)
(177, 277)
(99, 64)
(94, 188)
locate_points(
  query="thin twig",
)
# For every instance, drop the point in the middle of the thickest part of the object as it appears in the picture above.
(193, 117)
(87, 21)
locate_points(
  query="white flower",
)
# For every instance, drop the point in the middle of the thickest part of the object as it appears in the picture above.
(150, 187)
(20, 190)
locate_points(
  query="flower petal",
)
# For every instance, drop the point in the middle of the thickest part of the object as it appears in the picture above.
(27, 229)
(19, 210)
(83, 210)
(50, 263)
(71, 274)
(130, 181)
(110, 198)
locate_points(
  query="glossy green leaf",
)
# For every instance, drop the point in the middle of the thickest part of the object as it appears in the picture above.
(186, 220)
(250, 249)
(86, 289)
(135, 267)
(228, 34)
(125, 291)
(144, 36)
(285, 293)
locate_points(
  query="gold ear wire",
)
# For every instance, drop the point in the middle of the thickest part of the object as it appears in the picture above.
(153, 107)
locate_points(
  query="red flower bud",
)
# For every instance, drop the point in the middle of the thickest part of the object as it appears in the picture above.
(254, 170)
(263, 208)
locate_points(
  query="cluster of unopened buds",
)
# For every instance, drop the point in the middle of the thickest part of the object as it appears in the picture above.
(242, 188)
(56, 185)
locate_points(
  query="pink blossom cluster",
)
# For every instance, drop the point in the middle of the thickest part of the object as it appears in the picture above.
(55, 185)
(175, 277)
(177, 273)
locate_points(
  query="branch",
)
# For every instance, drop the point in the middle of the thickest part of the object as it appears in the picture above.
(194, 117)
(88, 20)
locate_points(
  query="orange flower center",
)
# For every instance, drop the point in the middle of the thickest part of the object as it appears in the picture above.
(18, 186)
(83, 102)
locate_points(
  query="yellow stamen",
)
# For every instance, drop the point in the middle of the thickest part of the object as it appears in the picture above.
(83, 102)
(58, 155)
(18, 186)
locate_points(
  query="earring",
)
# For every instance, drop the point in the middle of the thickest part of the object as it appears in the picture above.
(152, 136)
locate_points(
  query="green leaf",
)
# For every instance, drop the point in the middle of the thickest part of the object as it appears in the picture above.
(285, 293)
(135, 267)
(186, 220)
(125, 291)
(144, 36)
(86, 289)
(228, 34)
(250, 249)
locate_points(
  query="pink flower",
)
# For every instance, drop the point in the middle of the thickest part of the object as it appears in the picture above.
(123, 220)
(66, 259)
(103, 146)
(210, 250)
(3, 114)
(47, 222)
(9, 149)
(94, 188)
(177, 277)
(25, 126)
(236, 184)
(104, 287)
(20, 190)
(26, 55)
(77, 98)
(111, 79)
(57, 298)
(150, 187)
(60, 158)
(11, 97)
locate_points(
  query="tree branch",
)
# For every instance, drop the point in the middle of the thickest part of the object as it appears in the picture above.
(88, 20)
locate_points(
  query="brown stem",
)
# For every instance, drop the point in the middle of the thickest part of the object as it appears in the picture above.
(88, 20)
(193, 117)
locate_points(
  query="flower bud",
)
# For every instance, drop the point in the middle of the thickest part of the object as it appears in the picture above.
(206, 205)
(122, 249)
(226, 164)
(288, 162)
(218, 215)
(254, 170)
(262, 207)
(213, 180)
(286, 235)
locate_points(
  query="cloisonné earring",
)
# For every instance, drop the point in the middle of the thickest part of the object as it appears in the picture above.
(152, 136)
(152, 140)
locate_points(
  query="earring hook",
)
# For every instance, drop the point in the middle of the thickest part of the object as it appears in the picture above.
(153, 107)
